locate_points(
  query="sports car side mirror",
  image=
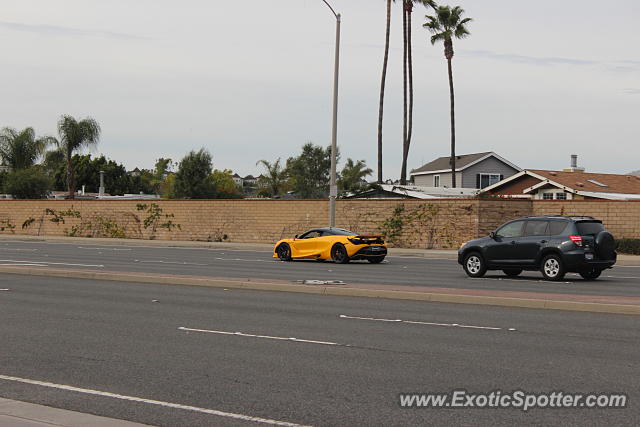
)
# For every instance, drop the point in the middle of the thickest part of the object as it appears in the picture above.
(295, 237)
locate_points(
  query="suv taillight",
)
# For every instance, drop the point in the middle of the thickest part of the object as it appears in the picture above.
(576, 239)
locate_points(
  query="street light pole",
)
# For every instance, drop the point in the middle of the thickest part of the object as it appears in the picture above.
(333, 188)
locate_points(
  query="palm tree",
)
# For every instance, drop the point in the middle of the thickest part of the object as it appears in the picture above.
(276, 176)
(75, 135)
(408, 81)
(21, 150)
(445, 25)
(382, 86)
(352, 175)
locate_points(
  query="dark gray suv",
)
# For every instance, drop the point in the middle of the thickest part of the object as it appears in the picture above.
(554, 245)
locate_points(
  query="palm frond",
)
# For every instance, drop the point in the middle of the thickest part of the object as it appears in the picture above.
(438, 37)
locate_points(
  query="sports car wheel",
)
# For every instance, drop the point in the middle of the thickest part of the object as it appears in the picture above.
(376, 260)
(339, 254)
(284, 252)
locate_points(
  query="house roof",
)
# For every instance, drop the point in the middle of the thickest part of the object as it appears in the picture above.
(593, 182)
(601, 185)
(249, 177)
(442, 164)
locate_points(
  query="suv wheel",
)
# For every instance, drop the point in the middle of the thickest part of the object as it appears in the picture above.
(474, 265)
(592, 274)
(552, 268)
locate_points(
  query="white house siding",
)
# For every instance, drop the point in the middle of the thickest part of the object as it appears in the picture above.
(445, 179)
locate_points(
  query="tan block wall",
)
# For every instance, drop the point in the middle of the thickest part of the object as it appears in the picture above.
(621, 218)
(494, 212)
(441, 223)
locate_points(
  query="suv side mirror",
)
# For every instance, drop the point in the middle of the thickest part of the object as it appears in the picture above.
(492, 235)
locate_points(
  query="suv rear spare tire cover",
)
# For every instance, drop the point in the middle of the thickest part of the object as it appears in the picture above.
(605, 245)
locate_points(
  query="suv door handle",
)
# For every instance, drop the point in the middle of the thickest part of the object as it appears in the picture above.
(513, 242)
(543, 241)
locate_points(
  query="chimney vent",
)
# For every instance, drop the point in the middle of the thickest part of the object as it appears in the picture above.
(574, 165)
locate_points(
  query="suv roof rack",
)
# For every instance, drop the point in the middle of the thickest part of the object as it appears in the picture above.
(560, 216)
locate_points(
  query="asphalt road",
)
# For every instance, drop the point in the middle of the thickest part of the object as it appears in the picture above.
(444, 273)
(344, 369)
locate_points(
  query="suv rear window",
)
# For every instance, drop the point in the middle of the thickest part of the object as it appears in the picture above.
(557, 227)
(589, 227)
(536, 228)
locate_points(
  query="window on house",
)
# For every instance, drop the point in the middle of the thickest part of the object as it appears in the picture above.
(486, 179)
(561, 196)
(436, 180)
(547, 196)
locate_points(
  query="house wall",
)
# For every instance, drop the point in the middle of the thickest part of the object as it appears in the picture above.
(516, 186)
(445, 179)
(438, 223)
(490, 165)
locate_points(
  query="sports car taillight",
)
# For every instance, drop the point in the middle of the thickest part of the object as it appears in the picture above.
(576, 239)
(365, 241)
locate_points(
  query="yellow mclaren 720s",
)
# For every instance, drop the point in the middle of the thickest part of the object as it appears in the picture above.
(335, 244)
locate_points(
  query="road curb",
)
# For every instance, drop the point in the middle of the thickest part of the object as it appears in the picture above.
(330, 290)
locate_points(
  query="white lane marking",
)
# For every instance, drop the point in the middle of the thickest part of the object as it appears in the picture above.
(19, 250)
(242, 334)
(415, 322)
(172, 262)
(22, 265)
(4, 289)
(420, 257)
(212, 249)
(50, 263)
(149, 401)
(102, 249)
(623, 277)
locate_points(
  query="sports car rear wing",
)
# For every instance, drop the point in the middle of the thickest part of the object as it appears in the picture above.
(367, 239)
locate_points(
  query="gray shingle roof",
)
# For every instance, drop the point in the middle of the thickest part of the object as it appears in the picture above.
(443, 163)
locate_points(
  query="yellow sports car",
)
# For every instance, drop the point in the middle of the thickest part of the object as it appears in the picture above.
(335, 244)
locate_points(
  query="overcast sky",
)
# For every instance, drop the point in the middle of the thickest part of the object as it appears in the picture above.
(252, 79)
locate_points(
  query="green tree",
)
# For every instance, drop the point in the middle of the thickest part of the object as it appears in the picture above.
(169, 187)
(224, 184)
(75, 135)
(87, 172)
(161, 171)
(352, 176)
(275, 179)
(30, 183)
(53, 161)
(310, 172)
(20, 150)
(446, 25)
(193, 179)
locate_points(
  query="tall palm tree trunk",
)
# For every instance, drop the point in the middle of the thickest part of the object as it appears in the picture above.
(403, 171)
(382, 85)
(410, 66)
(449, 56)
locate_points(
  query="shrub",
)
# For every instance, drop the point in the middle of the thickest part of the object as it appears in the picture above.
(28, 183)
(629, 246)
